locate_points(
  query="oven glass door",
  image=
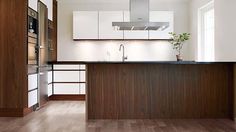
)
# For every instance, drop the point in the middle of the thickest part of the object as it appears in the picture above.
(32, 53)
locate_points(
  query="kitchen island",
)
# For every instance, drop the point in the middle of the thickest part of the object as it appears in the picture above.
(154, 90)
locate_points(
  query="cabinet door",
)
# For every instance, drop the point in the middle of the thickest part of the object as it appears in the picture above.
(32, 98)
(85, 25)
(32, 82)
(106, 31)
(133, 34)
(33, 4)
(162, 16)
(49, 4)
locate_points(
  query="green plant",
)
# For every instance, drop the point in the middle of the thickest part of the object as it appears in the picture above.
(178, 40)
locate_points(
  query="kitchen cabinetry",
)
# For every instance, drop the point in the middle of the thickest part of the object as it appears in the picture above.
(54, 32)
(19, 86)
(162, 16)
(133, 34)
(106, 31)
(69, 80)
(98, 25)
(159, 90)
(85, 25)
(32, 90)
(33, 4)
(49, 4)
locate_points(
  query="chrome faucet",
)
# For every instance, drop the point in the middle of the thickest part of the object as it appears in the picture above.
(123, 56)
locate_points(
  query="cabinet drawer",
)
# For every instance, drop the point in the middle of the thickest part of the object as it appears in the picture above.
(66, 89)
(82, 76)
(32, 81)
(32, 98)
(49, 90)
(66, 76)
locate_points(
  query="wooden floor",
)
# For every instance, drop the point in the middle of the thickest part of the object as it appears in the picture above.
(70, 117)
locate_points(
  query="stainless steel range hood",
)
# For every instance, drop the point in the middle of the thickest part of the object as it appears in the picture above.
(139, 18)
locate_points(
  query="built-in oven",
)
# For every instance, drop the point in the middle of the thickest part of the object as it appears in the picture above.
(32, 37)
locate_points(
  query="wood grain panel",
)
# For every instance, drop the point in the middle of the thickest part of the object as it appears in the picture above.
(67, 97)
(234, 92)
(54, 34)
(11, 112)
(13, 55)
(144, 91)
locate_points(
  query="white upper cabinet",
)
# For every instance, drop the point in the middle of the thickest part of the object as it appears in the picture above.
(162, 16)
(98, 25)
(49, 4)
(33, 4)
(106, 31)
(133, 34)
(85, 25)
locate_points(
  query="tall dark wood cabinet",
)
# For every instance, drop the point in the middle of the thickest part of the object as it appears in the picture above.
(16, 71)
(54, 33)
(13, 57)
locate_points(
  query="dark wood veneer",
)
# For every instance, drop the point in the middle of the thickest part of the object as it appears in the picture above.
(150, 91)
(54, 34)
(67, 97)
(13, 57)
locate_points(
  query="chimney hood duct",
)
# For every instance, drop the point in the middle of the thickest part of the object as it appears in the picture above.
(139, 18)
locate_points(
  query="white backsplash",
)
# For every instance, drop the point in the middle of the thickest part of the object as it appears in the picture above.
(109, 51)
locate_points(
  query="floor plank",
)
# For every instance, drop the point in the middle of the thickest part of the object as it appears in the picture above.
(69, 116)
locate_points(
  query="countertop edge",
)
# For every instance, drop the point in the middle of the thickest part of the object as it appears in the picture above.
(135, 62)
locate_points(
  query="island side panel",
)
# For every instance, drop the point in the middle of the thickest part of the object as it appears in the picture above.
(153, 91)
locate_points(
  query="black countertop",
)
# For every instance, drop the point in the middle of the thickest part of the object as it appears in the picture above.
(133, 62)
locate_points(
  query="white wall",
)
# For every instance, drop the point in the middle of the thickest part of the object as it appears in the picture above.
(225, 29)
(109, 50)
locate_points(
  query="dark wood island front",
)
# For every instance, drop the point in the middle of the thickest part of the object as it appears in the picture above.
(154, 90)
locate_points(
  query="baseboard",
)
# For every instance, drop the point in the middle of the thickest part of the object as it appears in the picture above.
(28, 111)
(11, 112)
(62, 97)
